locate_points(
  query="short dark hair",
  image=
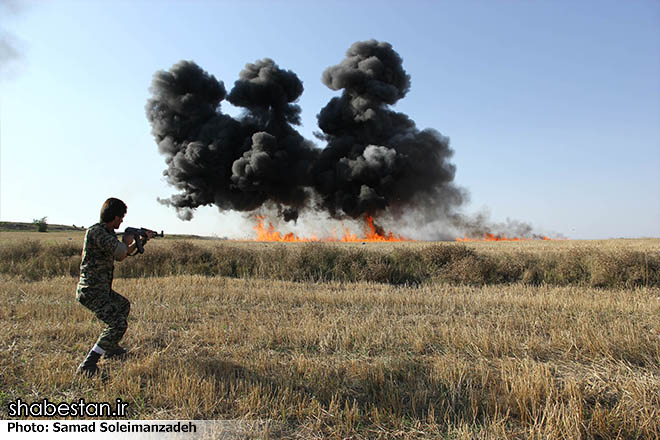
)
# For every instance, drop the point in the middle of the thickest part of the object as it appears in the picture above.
(112, 208)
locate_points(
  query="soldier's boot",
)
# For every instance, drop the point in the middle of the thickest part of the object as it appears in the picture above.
(88, 366)
(116, 352)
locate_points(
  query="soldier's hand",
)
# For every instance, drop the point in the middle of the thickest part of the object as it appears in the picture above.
(150, 234)
(128, 239)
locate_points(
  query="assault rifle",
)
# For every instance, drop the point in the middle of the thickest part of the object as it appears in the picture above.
(140, 236)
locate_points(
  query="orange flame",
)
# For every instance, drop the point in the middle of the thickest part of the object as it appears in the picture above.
(493, 237)
(372, 233)
(270, 234)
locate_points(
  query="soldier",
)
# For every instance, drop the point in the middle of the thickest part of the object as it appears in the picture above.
(94, 290)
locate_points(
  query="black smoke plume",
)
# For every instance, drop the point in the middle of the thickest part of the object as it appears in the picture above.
(375, 160)
(235, 164)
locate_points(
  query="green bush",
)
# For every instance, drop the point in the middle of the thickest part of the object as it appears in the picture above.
(40, 224)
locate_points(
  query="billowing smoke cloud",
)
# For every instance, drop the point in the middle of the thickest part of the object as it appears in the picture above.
(375, 161)
(235, 164)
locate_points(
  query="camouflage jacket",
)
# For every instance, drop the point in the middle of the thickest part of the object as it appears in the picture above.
(99, 251)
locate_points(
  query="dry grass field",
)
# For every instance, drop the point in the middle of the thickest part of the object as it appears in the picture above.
(359, 341)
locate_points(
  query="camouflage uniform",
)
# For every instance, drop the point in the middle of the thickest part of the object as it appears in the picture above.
(95, 285)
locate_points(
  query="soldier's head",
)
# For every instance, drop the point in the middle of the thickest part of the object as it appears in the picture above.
(112, 212)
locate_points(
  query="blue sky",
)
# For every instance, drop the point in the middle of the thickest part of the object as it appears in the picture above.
(552, 107)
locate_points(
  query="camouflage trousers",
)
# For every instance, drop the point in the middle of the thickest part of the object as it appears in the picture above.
(111, 308)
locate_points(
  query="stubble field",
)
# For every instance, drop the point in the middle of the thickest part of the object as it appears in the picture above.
(538, 340)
